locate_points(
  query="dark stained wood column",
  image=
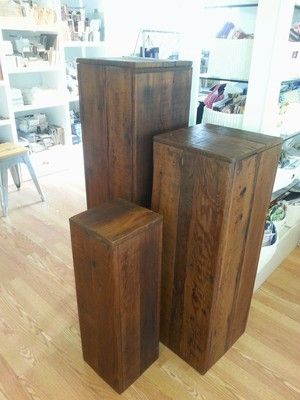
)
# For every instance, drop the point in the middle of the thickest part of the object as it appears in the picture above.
(117, 262)
(123, 104)
(212, 185)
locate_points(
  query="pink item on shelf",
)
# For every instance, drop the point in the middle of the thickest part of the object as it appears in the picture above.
(215, 95)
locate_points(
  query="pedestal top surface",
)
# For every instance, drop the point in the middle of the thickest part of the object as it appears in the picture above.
(227, 144)
(116, 221)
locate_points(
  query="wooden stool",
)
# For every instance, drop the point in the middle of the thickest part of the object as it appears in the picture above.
(10, 156)
(117, 262)
(212, 186)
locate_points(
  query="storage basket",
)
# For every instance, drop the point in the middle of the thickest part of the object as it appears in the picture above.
(266, 254)
(223, 119)
(269, 244)
(230, 58)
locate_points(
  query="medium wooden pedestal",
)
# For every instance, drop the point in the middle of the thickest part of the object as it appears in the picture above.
(117, 260)
(213, 186)
(123, 104)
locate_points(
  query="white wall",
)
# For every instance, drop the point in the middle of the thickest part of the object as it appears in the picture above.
(125, 19)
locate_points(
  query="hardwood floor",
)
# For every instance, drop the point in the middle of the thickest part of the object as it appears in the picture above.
(40, 353)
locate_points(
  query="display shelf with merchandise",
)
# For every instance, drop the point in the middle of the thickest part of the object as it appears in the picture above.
(226, 57)
(27, 72)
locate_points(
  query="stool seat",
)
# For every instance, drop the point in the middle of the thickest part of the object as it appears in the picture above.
(8, 150)
(11, 155)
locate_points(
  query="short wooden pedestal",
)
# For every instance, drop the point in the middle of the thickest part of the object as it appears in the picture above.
(117, 260)
(213, 186)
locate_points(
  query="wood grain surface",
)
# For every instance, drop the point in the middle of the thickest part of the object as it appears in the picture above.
(135, 63)
(40, 347)
(219, 142)
(214, 208)
(11, 150)
(94, 124)
(117, 263)
(122, 109)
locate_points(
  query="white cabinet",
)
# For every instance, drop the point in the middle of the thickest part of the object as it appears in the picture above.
(50, 74)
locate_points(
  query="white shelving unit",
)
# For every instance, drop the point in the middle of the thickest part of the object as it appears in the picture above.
(267, 62)
(51, 75)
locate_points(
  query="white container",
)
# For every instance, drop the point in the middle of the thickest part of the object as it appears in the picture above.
(230, 58)
(279, 225)
(292, 215)
(223, 119)
(288, 122)
(284, 176)
(291, 67)
(266, 254)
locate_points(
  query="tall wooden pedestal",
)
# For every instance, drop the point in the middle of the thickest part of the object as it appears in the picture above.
(123, 104)
(213, 186)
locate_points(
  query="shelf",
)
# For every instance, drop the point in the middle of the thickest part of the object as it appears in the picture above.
(288, 239)
(230, 4)
(42, 72)
(215, 78)
(279, 194)
(290, 79)
(4, 122)
(78, 43)
(28, 70)
(32, 107)
(290, 136)
(73, 99)
(25, 24)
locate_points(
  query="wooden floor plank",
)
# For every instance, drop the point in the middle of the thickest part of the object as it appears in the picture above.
(40, 352)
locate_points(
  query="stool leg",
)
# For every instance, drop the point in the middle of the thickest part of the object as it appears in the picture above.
(1, 199)
(26, 160)
(1, 195)
(14, 170)
(4, 191)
